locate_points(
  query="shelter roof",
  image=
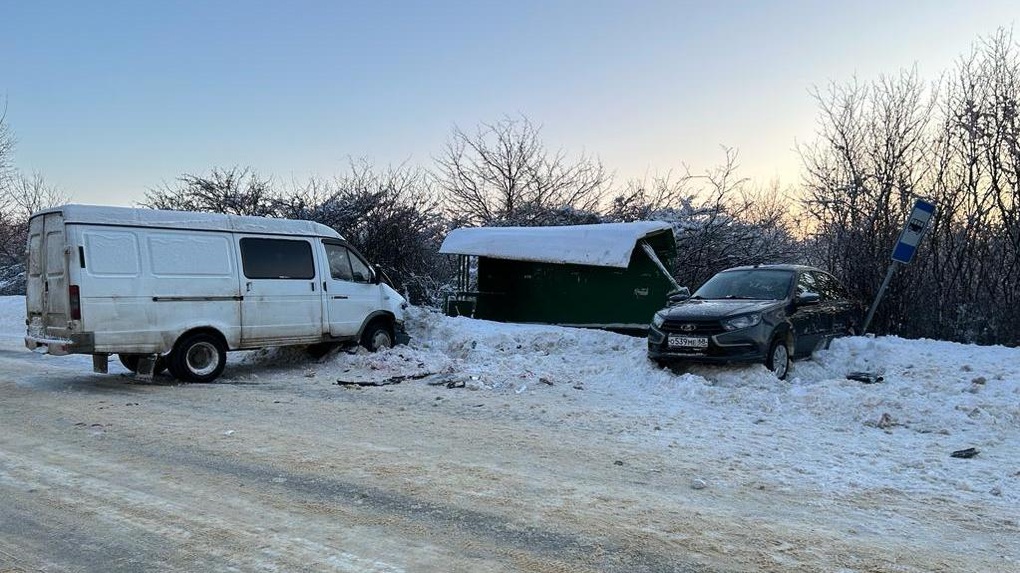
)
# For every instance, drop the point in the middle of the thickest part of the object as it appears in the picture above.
(605, 245)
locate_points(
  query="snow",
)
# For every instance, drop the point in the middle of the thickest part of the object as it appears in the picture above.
(874, 458)
(817, 430)
(107, 215)
(605, 245)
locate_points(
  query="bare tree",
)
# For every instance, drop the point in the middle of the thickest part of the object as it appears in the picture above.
(719, 219)
(390, 215)
(6, 152)
(882, 144)
(870, 160)
(24, 195)
(641, 199)
(724, 222)
(233, 191)
(503, 175)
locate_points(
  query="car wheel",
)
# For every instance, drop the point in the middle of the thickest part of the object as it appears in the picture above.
(377, 335)
(778, 359)
(199, 357)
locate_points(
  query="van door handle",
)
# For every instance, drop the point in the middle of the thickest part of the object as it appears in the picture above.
(336, 296)
(247, 286)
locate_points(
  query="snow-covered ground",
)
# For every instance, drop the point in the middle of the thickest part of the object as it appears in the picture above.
(874, 458)
(818, 428)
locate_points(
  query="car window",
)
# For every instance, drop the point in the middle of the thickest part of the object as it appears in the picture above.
(276, 259)
(362, 272)
(339, 262)
(755, 284)
(832, 289)
(806, 283)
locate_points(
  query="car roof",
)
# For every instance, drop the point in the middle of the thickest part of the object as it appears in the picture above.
(779, 267)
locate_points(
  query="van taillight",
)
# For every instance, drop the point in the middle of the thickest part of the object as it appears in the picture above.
(75, 297)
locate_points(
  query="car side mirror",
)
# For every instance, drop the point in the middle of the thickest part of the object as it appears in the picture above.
(808, 298)
(677, 296)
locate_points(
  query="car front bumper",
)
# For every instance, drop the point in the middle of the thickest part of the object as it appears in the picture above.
(746, 345)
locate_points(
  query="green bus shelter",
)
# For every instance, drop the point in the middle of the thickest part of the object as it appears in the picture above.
(613, 276)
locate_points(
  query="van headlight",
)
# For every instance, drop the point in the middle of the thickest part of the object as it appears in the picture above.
(658, 319)
(739, 322)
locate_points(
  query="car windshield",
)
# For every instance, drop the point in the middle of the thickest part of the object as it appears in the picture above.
(752, 284)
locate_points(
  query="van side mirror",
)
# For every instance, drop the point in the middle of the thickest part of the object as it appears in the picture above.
(677, 296)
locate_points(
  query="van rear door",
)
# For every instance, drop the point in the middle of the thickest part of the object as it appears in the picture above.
(47, 296)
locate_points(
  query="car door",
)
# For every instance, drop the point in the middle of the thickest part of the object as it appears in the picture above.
(807, 318)
(350, 290)
(280, 303)
(841, 308)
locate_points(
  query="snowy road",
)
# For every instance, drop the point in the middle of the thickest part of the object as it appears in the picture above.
(564, 450)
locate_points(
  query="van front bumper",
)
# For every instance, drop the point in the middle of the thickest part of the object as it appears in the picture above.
(78, 343)
(400, 335)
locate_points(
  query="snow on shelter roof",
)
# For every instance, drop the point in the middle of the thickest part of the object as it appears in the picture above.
(605, 245)
(126, 216)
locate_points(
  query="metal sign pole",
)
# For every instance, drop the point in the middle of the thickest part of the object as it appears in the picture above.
(881, 292)
(906, 246)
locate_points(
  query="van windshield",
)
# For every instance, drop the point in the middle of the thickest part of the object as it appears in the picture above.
(752, 284)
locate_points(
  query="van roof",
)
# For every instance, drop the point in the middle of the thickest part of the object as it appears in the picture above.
(129, 217)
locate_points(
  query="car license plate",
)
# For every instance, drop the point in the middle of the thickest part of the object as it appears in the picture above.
(694, 342)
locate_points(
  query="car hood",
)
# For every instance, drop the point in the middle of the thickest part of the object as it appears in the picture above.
(696, 309)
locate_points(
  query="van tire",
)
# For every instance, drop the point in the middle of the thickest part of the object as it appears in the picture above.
(377, 335)
(198, 357)
(130, 361)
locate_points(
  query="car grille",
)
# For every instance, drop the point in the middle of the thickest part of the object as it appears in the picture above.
(701, 327)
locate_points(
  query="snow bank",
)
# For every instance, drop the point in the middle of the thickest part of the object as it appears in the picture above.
(818, 429)
(816, 432)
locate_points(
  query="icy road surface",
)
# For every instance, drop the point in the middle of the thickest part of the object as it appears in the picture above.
(523, 448)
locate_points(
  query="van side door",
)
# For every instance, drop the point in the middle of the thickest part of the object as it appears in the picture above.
(281, 303)
(350, 290)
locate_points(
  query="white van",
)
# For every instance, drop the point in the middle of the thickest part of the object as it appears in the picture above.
(177, 290)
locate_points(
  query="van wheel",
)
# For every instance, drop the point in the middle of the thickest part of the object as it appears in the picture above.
(778, 359)
(130, 361)
(377, 336)
(199, 357)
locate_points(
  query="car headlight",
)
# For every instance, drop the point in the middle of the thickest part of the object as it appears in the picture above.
(658, 319)
(745, 321)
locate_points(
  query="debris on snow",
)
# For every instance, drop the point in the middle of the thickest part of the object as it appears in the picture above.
(385, 382)
(883, 423)
(965, 453)
(865, 377)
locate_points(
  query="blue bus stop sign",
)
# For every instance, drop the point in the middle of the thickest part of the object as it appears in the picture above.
(913, 231)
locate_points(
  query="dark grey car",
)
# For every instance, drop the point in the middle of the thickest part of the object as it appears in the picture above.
(767, 313)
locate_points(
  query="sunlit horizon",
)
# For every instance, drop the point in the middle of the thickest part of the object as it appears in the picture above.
(110, 102)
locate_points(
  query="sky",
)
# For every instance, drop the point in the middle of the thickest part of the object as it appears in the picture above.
(111, 99)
